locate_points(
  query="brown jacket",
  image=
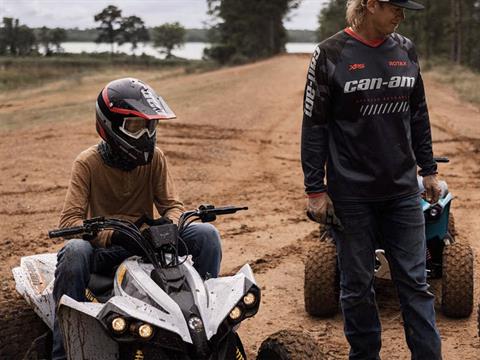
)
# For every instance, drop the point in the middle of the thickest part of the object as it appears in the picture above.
(97, 189)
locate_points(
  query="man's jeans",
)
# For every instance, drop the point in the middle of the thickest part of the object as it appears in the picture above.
(400, 226)
(77, 259)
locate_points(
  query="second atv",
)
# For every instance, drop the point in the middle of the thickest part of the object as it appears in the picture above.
(447, 259)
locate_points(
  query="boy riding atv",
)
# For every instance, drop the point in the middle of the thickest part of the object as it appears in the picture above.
(123, 177)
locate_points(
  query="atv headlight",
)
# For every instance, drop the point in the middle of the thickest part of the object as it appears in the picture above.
(434, 212)
(119, 324)
(145, 331)
(236, 313)
(195, 323)
(249, 299)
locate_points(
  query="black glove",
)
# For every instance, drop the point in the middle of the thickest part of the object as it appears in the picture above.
(127, 243)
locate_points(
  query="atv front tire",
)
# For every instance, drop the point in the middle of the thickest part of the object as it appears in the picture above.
(23, 334)
(289, 345)
(457, 280)
(321, 287)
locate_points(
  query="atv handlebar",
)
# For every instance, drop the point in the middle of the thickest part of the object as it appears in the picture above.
(210, 209)
(76, 230)
(441, 159)
(206, 213)
(129, 230)
(90, 227)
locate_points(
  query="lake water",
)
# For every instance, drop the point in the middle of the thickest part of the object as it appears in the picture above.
(191, 50)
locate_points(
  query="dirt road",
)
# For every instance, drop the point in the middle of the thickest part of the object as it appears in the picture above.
(236, 141)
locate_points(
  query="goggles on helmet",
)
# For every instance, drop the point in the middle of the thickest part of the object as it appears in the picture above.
(135, 127)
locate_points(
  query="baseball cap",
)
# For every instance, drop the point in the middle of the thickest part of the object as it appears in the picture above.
(407, 4)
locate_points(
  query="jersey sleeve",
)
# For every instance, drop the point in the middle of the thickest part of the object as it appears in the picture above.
(421, 131)
(314, 139)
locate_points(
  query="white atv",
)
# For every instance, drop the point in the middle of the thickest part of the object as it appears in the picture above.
(156, 307)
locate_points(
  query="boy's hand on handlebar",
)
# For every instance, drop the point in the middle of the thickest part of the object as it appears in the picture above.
(318, 207)
(432, 188)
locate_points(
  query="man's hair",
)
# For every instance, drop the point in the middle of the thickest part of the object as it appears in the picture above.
(356, 12)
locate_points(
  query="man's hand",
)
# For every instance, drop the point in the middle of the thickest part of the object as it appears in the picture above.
(319, 207)
(432, 188)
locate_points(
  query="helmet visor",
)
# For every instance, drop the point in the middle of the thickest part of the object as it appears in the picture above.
(135, 127)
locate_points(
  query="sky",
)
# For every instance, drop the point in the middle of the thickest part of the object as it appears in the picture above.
(80, 13)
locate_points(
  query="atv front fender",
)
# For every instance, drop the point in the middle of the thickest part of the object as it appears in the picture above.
(83, 335)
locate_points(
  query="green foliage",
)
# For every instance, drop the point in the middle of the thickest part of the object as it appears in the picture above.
(248, 29)
(26, 41)
(45, 38)
(22, 72)
(16, 39)
(168, 36)
(110, 22)
(331, 19)
(59, 35)
(133, 30)
(49, 38)
(445, 29)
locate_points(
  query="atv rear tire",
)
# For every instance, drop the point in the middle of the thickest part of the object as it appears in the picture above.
(289, 345)
(19, 328)
(478, 320)
(457, 280)
(451, 225)
(321, 287)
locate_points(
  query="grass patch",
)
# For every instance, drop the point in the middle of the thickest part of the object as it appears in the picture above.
(465, 81)
(18, 72)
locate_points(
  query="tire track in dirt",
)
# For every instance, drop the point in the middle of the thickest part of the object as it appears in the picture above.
(272, 260)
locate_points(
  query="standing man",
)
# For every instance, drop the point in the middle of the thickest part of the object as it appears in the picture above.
(366, 119)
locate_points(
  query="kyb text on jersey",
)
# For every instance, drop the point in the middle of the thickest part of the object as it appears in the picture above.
(377, 83)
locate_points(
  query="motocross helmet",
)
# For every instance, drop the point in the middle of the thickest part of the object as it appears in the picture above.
(127, 112)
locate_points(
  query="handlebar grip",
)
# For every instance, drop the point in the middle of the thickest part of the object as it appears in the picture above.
(228, 210)
(441, 159)
(66, 232)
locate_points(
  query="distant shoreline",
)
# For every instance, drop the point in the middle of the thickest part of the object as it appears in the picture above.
(192, 35)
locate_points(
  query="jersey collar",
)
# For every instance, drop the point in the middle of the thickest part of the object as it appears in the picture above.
(372, 43)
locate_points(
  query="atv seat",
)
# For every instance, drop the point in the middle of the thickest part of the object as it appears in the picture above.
(100, 288)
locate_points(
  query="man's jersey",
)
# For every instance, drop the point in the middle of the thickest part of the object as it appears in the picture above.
(366, 118)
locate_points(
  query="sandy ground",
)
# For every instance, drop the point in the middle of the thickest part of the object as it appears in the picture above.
(236, 141)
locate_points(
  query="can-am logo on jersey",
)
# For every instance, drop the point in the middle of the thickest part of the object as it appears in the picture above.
(377, 83)
(152, 100)
(310, 90)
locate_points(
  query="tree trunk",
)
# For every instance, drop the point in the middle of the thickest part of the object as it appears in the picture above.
(428, 31)
(456, 52)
